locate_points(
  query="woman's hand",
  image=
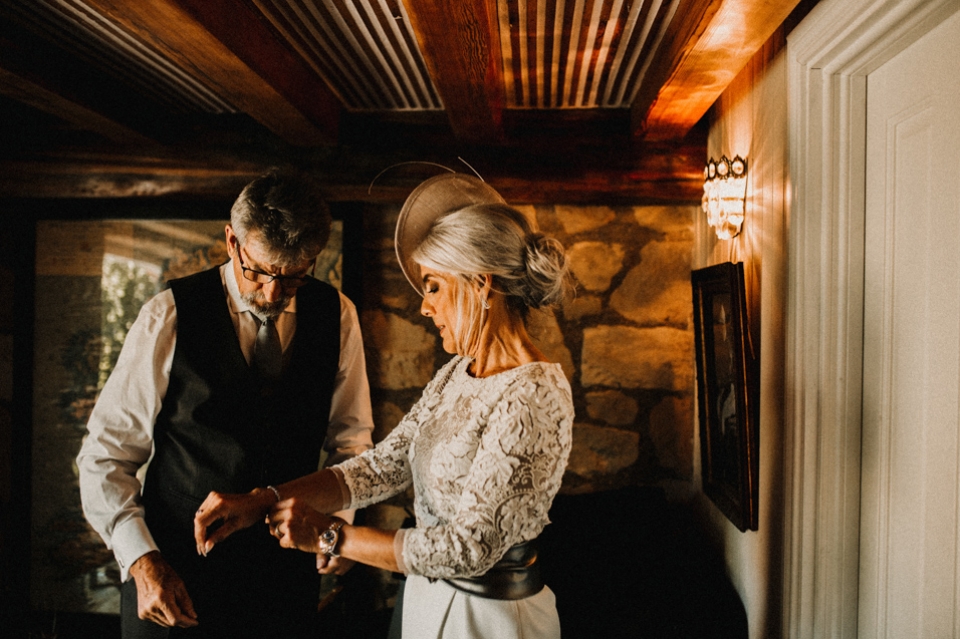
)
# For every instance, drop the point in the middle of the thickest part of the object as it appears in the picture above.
(221, 515)
(297, 525)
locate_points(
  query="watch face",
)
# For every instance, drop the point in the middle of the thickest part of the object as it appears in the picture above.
(328, 540)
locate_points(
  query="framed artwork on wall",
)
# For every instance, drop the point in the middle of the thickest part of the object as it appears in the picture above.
(727, 392)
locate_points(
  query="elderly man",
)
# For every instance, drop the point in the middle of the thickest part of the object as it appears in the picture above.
(232, 379)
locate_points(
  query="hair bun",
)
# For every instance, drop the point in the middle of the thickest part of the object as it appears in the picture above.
(546, 271)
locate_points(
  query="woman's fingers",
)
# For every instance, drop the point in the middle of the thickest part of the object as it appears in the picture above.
(204, 519)
(213, 522)
(275, 531)
(296, 525)
(284, 534)
(220, 530)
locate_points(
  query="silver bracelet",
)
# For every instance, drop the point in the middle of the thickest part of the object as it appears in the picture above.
(276, 493)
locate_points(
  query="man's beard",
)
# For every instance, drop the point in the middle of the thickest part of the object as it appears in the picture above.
(270, 310)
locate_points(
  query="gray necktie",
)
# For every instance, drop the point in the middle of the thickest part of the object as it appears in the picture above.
(268, 354)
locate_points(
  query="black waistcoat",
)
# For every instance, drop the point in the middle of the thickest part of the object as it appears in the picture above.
(221, 428)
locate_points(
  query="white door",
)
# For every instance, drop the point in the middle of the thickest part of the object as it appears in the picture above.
(910, 493)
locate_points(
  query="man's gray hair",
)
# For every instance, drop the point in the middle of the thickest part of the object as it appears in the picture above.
(289, 213)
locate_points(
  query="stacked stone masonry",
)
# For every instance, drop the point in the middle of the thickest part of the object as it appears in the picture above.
(625, 341)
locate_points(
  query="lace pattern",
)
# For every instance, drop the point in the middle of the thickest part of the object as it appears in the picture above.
(486, 458)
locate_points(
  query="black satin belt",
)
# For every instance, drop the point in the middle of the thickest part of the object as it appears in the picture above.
(516, 576)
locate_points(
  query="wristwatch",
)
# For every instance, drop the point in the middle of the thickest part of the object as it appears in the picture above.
(330, 538)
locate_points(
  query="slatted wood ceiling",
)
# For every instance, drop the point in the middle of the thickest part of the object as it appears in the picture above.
(565, 54)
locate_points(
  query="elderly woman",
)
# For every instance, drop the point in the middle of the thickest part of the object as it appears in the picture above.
(485, 446)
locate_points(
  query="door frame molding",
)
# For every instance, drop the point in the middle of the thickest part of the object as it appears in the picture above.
(829, 56)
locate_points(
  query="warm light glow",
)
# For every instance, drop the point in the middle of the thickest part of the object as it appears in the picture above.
(724, 191)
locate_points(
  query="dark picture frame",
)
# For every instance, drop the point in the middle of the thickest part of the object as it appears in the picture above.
(727, 392)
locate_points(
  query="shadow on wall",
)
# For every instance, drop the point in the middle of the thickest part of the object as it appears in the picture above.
(624, 563)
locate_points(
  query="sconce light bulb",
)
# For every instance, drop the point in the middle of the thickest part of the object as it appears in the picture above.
(724, 195)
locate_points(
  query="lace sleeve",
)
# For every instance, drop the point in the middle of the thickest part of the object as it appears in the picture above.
(384, 470)
(512, 481)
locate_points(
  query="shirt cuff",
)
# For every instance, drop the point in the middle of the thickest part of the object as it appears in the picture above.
(131, 540)
(345, 496)
(398, 550)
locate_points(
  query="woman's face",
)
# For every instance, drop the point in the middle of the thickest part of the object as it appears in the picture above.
(439, 304)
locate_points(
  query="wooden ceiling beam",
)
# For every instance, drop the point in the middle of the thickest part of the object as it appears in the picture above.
(183, 32)
(643, 174)
(460, 46)
(705, 48)
(39, 74)
(93, 176)
(248, 35)
(49, 101)
(146, 183)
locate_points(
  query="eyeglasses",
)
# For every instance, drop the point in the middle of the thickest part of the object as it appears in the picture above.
(286, 281)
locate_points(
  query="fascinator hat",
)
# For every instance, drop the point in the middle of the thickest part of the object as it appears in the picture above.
(432, 199)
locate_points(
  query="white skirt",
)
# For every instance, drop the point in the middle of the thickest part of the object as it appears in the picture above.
(439, 611)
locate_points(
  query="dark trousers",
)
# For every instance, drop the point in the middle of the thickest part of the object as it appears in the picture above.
(232, 622)
(247, 587)
(224, 622)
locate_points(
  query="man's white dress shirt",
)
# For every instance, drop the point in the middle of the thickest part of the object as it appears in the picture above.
(120, 431)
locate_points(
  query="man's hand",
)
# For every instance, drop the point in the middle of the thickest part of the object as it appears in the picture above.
(161, 595)
(220, 515)
(333, 565)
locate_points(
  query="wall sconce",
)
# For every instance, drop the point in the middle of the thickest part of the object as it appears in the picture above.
(724, 192)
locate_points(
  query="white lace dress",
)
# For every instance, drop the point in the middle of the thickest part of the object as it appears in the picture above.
(486, 458)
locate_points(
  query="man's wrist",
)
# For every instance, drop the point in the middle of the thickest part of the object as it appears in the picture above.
(266, 497)
(131, 539)
(142, 562)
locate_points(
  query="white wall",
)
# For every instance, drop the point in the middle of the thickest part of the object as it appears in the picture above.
(750, 120)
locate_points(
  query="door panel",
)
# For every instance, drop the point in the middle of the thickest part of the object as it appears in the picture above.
(909, 571)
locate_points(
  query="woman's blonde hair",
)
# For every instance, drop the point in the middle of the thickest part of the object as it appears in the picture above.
(527, 267)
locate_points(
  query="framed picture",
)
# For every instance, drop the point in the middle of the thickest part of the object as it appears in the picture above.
(727, 392)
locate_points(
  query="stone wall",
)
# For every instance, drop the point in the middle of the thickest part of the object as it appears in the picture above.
(625, 341)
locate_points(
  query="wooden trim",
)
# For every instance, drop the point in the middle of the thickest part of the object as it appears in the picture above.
(830, 54)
